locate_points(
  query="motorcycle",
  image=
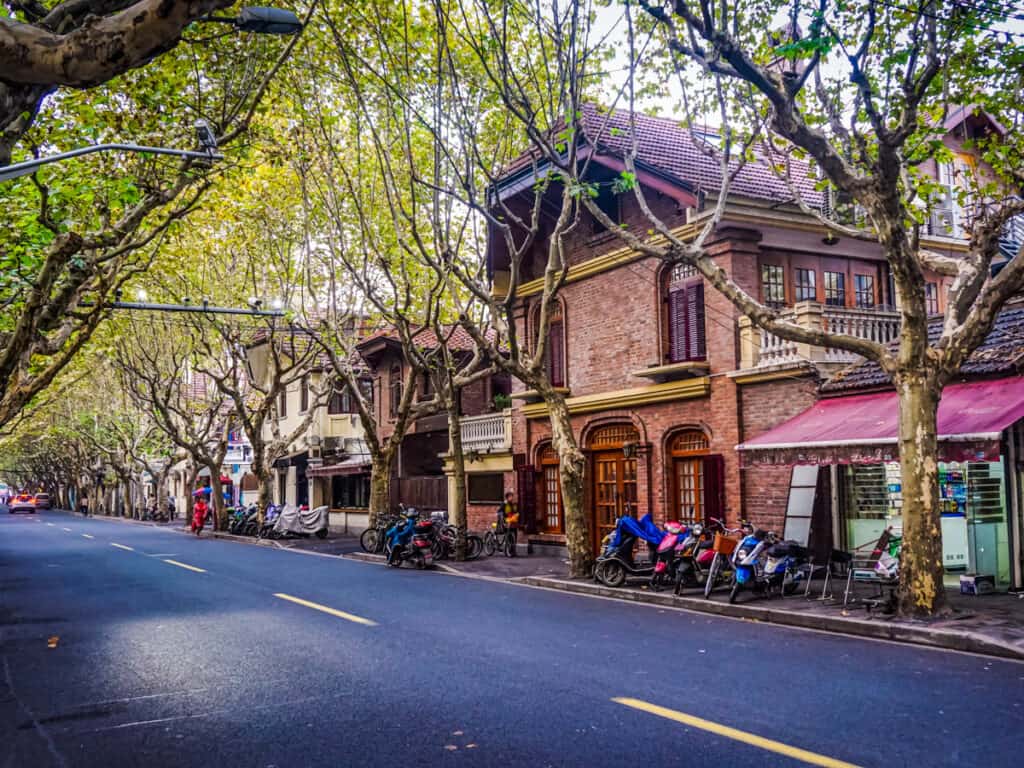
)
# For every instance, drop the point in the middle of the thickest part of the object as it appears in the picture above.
(749, 560)
(266, 531)
(409, 539)
(695, 556)
(784, 569)
(244, 521)
(301, 523)
(616, 563)
(670, 551)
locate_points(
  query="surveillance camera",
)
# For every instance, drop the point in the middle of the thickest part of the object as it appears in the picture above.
(207, 138)
(186, 300)
(254, 302)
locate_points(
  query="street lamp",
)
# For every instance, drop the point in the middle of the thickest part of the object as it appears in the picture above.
(204, 133)
(262, 21)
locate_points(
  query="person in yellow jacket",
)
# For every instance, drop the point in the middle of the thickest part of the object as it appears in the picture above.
(510, 517)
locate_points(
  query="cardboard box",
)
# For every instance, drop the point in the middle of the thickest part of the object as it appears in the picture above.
(977, 584)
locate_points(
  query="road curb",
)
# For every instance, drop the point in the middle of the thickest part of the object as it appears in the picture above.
(969, 642)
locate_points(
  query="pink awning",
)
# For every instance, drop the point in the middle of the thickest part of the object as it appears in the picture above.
(864, 428)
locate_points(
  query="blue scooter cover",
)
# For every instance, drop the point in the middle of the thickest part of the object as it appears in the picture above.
(644, 528)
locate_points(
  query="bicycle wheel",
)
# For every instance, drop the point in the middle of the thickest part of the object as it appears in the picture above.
(509, 545)
(474, 546)
(710, 583)
(369, 540)
(490, 545)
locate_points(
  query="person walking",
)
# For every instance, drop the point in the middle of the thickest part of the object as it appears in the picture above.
(199, 513)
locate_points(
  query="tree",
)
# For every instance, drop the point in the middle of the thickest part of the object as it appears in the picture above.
(74, 235)
(161, 370)
(436, 136)
(79, 45)
(287, 356)
(860, 99)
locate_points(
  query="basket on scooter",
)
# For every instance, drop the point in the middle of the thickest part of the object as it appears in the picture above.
(724, 545)
(424, 526)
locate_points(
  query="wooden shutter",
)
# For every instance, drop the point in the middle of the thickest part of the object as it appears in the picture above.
(714, 488)
(526, 493)
(556, 354)
(677, 325)
(695, 347)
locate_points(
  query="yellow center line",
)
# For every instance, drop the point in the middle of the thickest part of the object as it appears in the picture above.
(811, 758)
(185, 566)
(325, 609)
(121, 546)
(87, 536)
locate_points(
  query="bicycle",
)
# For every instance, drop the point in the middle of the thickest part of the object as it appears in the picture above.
(372, 539)
(725, 543)
(501, 539)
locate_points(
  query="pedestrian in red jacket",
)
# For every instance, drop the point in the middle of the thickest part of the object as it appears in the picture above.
(199, 512)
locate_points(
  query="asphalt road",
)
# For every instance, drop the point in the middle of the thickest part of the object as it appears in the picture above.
(157, 664)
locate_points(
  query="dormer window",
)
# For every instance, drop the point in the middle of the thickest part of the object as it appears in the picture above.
(609, 203)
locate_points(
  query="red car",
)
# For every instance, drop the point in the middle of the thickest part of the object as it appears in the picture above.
(23, 502)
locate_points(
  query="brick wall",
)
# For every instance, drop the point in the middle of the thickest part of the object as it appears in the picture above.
(765, 490)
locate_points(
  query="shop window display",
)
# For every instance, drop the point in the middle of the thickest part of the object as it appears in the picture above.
(973, 508)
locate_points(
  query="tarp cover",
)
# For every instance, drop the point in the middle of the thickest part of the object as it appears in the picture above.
(864, 428)
(294, 520)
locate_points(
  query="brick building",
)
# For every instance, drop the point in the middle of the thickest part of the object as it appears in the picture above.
(421, 475)
(663, 376)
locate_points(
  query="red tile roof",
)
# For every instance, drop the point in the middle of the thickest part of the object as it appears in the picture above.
(1000, 354)
(455, 335)
(669, 148)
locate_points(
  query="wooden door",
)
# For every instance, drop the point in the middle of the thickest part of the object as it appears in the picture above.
(614, 489)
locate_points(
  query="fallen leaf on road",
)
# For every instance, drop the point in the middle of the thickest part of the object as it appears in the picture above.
(471, 746)
(52, 642)
(450, 747)
(456, 733)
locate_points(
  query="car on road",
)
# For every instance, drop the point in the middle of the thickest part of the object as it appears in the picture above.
(23, 502)
(42, 501)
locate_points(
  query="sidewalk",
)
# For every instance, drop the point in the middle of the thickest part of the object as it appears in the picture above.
(494, 567)
(992, 625)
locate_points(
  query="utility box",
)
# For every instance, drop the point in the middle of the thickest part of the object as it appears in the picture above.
(977, 584)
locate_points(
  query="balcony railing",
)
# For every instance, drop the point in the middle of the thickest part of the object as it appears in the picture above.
(761, 349)
(489, 433)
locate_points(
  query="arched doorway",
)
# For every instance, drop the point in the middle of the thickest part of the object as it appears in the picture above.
(614, 476)
(695, 478)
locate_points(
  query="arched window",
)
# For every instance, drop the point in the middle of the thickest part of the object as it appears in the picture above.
(690, 475)
(684, 315)
(554, 352)
(395, 390)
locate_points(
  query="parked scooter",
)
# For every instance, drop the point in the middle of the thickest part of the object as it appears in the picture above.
(300, 523)
(670, 551)
(402, 541)
(748, 560)
(784, 568)
(266, 531)
(616, 564)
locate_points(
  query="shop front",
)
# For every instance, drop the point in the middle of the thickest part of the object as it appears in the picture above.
(980, 471)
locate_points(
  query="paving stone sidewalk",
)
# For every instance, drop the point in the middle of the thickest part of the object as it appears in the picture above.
(990, 624)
